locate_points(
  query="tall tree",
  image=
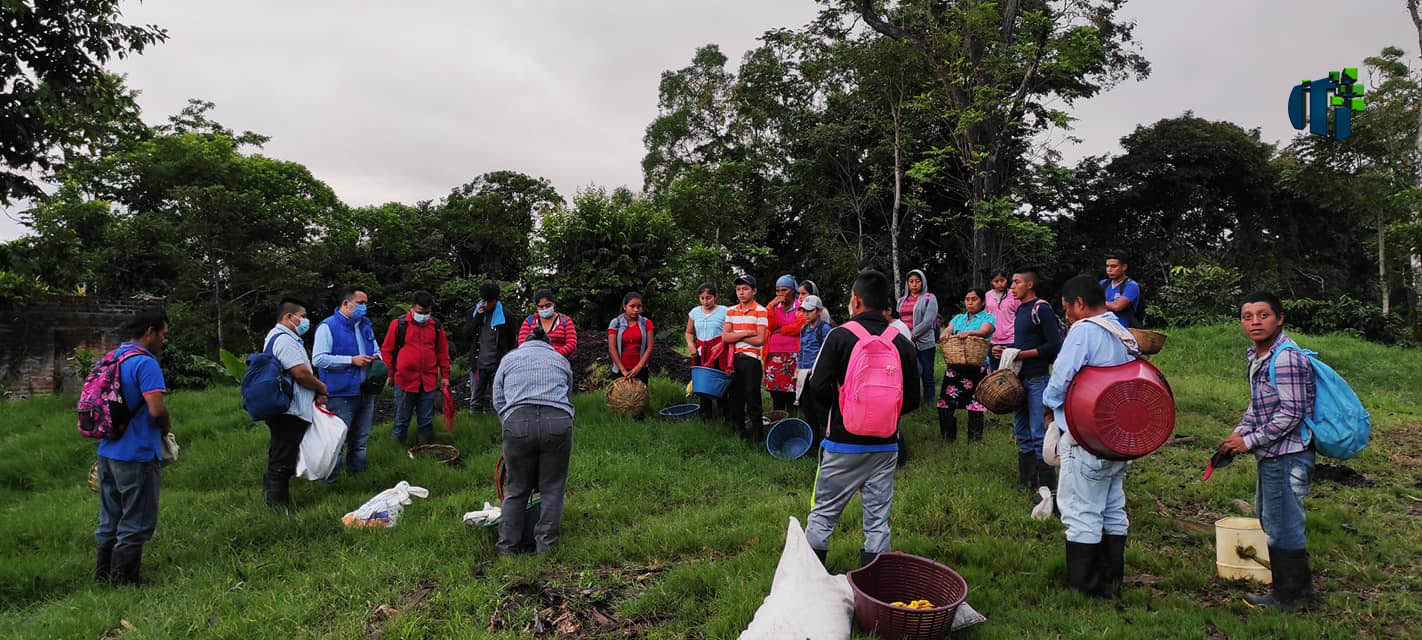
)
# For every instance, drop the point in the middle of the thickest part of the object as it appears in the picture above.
(1001, 65)
(55, 98)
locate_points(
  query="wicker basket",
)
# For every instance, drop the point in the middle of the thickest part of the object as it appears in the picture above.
(1001, 392)
(967, 351)
(94, 478)
(1150, 342)
(628, 397)
(894, 577)
(442, 452)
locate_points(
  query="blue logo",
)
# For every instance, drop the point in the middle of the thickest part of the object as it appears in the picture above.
(1311, 101)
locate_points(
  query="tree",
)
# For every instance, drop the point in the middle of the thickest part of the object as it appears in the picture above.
(56, 101)
(1000, 65)
(487, 222)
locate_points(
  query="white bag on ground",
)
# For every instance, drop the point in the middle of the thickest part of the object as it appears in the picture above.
(321, 446)
(384, 509)
(805, 601)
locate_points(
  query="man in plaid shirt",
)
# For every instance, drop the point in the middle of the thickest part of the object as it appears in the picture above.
(1273, 430)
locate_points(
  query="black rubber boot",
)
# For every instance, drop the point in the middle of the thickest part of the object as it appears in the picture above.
(947, 424)
(1024, 469)
(104, 568)
(975, 426)
(1293, 582)
(821, 554)
(128, 564)
(1083, 572)
(866, 557)
(903, 450)
(1112, 565)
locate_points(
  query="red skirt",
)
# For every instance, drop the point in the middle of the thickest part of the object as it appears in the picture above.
(780, 372)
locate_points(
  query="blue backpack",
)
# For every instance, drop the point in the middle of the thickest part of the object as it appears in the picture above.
(266, 388)
(1340, 425)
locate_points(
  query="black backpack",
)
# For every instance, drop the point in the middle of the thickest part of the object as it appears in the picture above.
(1138, 310)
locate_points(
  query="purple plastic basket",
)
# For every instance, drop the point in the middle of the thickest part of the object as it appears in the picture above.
(900, 577)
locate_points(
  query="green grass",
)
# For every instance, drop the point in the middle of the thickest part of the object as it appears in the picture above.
(692, 498)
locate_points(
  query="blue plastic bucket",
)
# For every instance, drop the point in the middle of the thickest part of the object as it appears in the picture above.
(708, 381)
(789, 439)
(678, 412)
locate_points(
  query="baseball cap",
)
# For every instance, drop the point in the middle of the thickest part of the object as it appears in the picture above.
(748, 280)
(810, 303)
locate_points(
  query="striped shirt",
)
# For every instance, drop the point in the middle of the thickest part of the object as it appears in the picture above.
(1271, 424)
(741, 318)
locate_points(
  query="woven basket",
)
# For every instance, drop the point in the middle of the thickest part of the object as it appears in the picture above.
(960, 352)
(1001, 392)
(894, 577)
(1150, 342)
(628, 397)
(442, 452)
(94, 478)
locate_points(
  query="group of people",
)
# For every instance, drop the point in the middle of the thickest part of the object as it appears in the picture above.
(853, 381)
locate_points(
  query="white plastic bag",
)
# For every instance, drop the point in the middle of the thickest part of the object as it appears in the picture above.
(384, 509)
(489, 514)
(805, 601)
(321, 446)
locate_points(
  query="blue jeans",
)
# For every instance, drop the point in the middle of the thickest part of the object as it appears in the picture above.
(1278, 498)
(357, 412)
(1090, 494)
(926, 362)
(421, 403)
(1028, 424)
(128, 502)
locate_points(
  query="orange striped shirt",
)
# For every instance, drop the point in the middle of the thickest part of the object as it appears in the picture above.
(741, 318)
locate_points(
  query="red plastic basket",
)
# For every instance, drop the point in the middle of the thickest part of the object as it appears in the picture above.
(900, 577)
(1121, 412)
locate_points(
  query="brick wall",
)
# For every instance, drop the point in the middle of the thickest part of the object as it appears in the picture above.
(38, 338)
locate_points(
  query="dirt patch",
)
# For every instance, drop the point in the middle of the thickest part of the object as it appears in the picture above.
(1341, 474)
(576, 604)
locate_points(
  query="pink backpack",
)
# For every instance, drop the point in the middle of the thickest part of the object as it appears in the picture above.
(873, 391)
(102, 412)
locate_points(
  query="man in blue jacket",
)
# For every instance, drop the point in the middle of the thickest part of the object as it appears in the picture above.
(130, 468)
(344, 351)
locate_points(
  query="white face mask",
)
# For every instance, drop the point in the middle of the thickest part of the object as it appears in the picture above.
(420, 317)
(546, 313)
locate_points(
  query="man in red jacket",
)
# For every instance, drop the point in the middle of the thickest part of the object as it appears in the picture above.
(418, 353)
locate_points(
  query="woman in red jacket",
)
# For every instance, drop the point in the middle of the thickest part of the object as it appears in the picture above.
(562, 334)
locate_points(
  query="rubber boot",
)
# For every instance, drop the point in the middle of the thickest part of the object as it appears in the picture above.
(1083, 572)
(975, 426)
(1112, 565)
(424, 439)
(903, 451)
(104, 568)
(821, 554)
(1024, 469)
(866, 557)
(1293, 582)
(127, 565)
(947, 424)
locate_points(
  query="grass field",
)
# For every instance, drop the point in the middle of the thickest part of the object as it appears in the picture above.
(674, 530)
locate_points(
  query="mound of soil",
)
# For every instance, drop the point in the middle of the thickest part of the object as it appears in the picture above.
(1341, 474)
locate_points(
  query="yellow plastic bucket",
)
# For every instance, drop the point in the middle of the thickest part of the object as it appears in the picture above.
(1233, 534)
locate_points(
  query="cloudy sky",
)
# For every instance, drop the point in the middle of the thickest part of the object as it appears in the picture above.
(402, 101)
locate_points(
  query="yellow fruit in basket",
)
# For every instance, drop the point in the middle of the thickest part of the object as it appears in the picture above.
(898, 604)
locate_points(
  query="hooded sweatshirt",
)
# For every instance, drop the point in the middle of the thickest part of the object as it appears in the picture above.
(925, 314)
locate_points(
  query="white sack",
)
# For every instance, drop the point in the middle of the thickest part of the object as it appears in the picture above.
(321, 446)
(805, 601)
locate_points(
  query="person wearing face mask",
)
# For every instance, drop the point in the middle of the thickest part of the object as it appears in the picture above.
(309, 392)
(558, 327)
(417, 351)
(490, 335)
(344, 352)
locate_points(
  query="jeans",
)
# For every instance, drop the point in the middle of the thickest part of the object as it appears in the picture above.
(421, 403)
(1028, 424)
(841, 475)
(744, 407)
(481, 390)
(538, 441)
(1278, 498)
(1090, 494)
(128, 502)
(926, 362)
(357, 412)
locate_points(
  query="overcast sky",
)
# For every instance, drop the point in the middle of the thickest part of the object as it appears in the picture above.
(402, 101)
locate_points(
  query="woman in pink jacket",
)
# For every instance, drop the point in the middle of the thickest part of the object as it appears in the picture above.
(782, 351)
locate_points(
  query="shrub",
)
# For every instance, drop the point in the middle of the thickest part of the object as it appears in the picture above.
(1202, 294)
(1345, 315)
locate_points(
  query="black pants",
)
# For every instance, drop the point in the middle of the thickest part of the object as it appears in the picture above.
(709, 406)
(744, 406)
(538, 441)
(287, 432)
(481, 391)
(783, 401)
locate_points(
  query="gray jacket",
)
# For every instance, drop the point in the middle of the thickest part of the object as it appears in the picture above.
(925, 314)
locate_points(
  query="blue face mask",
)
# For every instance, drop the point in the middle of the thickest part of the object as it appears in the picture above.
(420, 317)
(359, 311)
(303, 327)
